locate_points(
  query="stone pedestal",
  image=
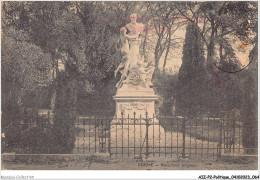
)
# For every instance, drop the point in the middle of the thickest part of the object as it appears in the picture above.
(130, 99)
(134, 120)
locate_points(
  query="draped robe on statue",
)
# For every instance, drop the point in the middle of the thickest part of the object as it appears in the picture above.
(133, 68)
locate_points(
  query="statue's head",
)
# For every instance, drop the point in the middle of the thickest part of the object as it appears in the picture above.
(133, 18)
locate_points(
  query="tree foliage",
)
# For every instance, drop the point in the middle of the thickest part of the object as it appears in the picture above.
(192, 79)
(250, 96)
(65, 114)
(22, 70)
(22, 73)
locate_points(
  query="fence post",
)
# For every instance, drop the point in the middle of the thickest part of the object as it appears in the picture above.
(234, 131)
(122, 119)
(109, 138)
(102, 140)
(183, 137)
(220, 139)
(147, 144)
(95, 126)
(48, 115)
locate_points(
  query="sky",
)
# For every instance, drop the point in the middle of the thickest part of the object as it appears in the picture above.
(175, 57)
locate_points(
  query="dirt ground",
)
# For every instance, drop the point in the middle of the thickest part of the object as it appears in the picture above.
(158, 163)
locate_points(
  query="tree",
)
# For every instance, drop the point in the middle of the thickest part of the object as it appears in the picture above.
(249, 114)
(70, 39)
(22, 73)
(65, 114)
(249, 109)
(233, 86)
(102, 48)
(192, 79)
(221, 23)
(166, 89)
(164, 23)
(37, 20)
(22, 70)
(217, 20)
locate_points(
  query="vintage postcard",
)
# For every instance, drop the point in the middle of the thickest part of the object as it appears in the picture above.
(124, 85)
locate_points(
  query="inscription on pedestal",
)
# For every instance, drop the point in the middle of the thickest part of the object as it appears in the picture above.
(135, 106)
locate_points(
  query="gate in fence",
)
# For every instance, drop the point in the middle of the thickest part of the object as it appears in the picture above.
(168, 136)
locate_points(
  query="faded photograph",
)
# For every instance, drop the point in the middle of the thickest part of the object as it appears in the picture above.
(129, 85)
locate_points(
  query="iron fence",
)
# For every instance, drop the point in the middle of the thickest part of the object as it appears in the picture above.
(168, 136)
(203, 137)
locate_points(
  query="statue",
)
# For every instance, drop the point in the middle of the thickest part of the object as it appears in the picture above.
(134, 70)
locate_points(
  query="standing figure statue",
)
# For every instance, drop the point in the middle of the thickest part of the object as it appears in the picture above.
(133, 68)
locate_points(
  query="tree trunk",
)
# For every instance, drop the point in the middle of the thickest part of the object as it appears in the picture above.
(156, 59)
(167, 52)
(211, 46)
(210, 52)
(54, 79)
(221, 52)
(221, 49)
(156, 70)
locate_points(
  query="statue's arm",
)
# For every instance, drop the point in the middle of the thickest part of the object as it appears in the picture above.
(132, 36)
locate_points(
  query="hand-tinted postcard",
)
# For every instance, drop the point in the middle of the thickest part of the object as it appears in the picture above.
(129, 85)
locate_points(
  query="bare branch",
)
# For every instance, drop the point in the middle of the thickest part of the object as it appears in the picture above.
(183, 14)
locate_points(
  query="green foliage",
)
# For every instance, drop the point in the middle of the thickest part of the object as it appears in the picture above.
(87, 48)
(166, 89)
(102, 37)
(39, 98)
(192, 80)
(22, 70)
(70, 38)
(22, 73)
(65, 113)
(250, 104)
(225, 88)
(26, 70)
(249, 114)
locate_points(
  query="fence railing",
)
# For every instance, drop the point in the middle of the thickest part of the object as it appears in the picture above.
(133, 135)
(199, 137)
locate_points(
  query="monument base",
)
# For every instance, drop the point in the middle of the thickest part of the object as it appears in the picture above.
(135, 102)
(134, 126)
